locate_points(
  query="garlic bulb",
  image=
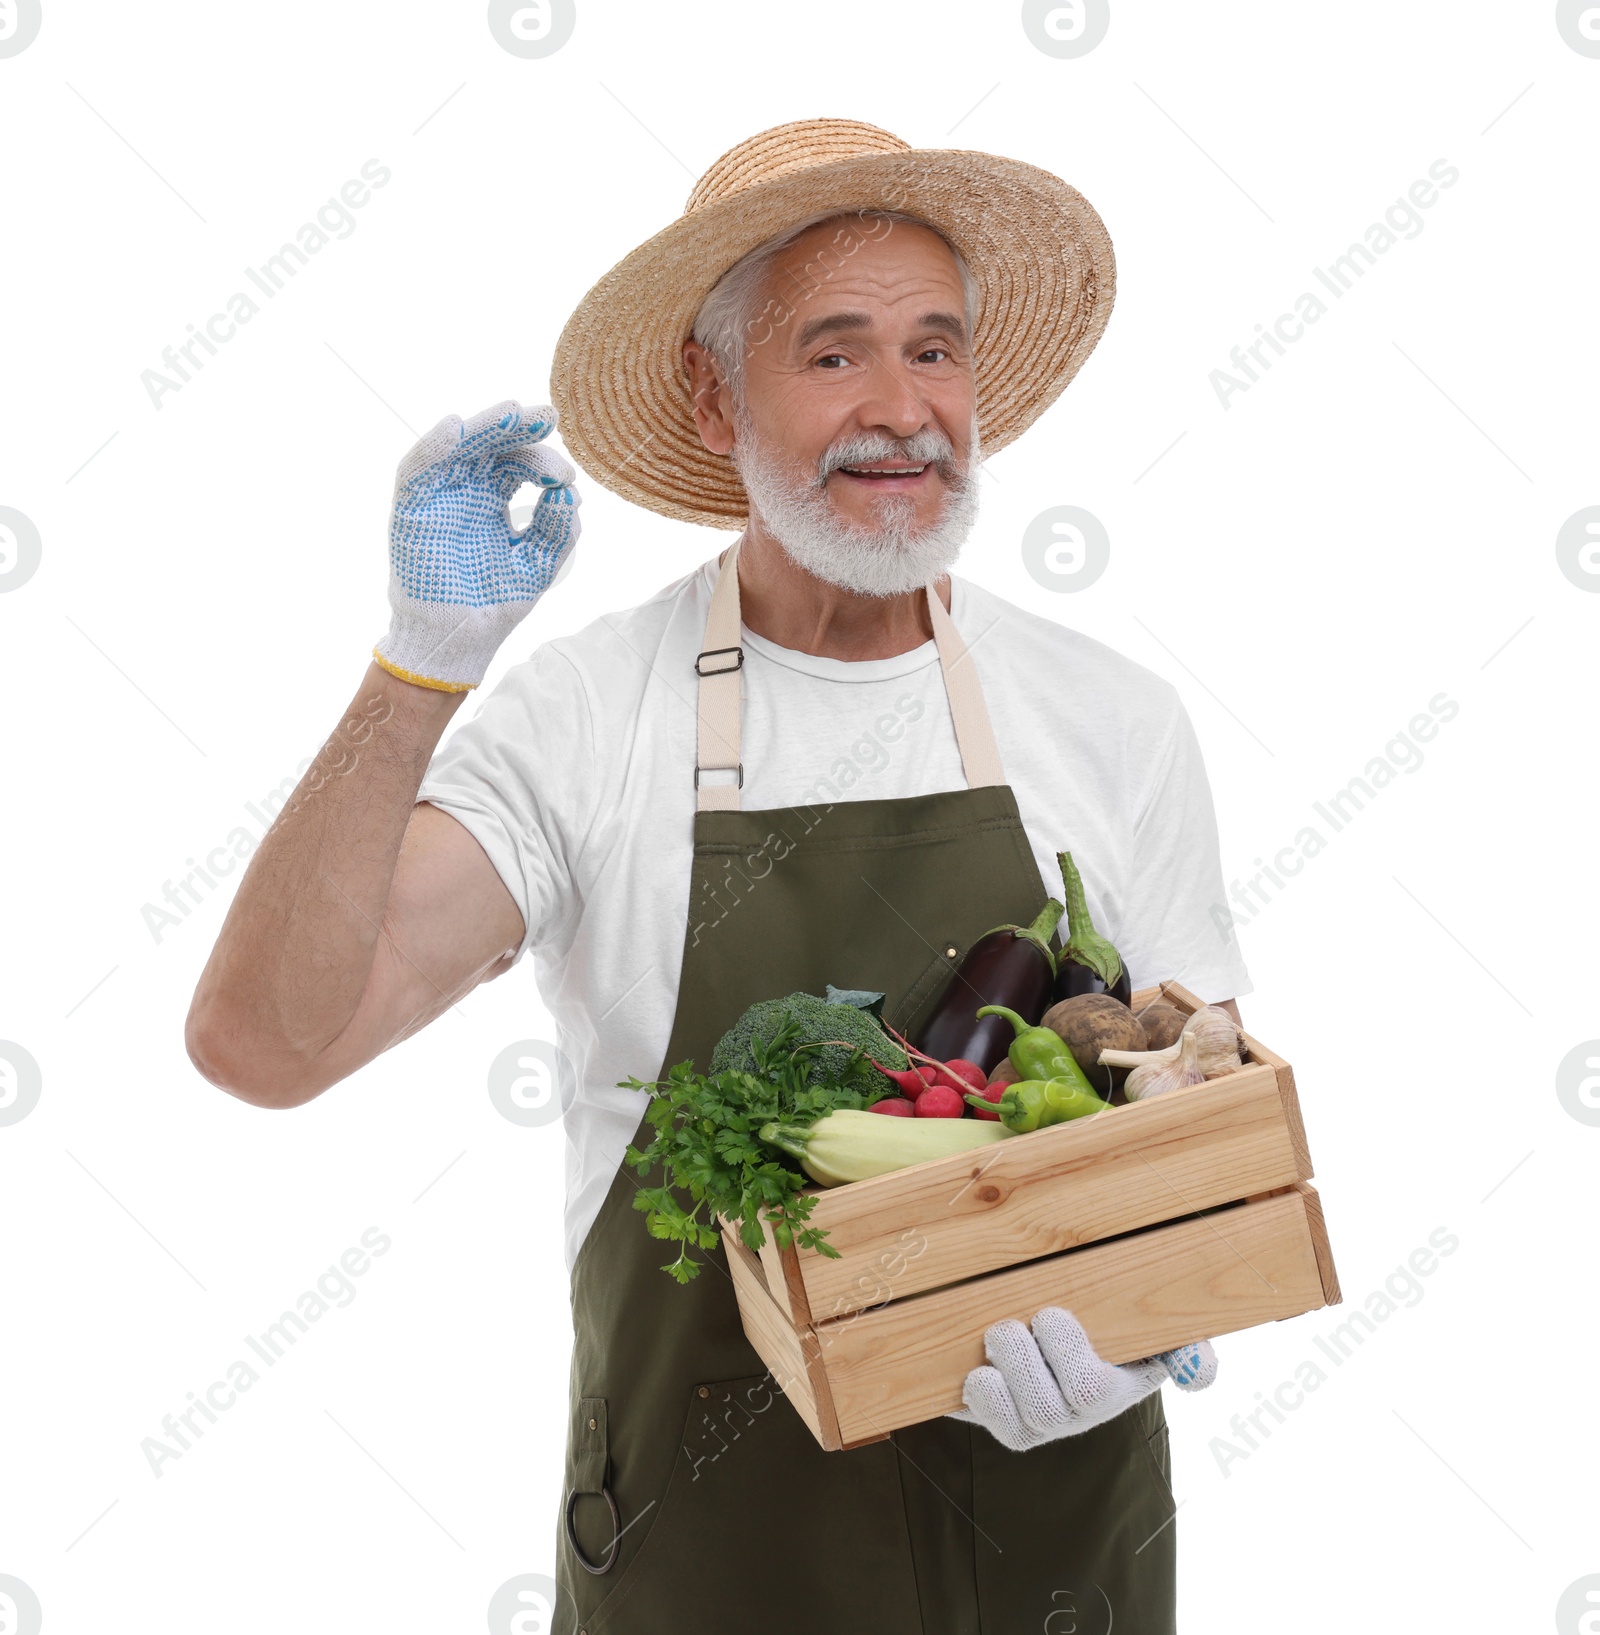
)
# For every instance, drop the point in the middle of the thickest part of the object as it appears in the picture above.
(1157, 1078)
(1217, 1042)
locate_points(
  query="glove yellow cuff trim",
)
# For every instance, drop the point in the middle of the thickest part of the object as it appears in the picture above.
(422, 681)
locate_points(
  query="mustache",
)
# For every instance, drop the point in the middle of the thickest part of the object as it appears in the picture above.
(926, 447)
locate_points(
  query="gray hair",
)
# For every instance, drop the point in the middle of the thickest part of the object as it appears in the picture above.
(728, 322)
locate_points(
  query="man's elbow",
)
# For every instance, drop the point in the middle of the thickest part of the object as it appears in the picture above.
(223, 1057)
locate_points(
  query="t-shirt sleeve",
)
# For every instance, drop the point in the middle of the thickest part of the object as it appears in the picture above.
(1177, 893)
(521, 777)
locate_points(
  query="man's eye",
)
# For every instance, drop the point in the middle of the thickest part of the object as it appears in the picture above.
(831, 358)
(936, 353)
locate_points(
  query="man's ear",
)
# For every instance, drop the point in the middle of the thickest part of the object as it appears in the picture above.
(708, 392)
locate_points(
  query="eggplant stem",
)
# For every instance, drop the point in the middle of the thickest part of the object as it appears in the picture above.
(1048, 918)
(1084, 943)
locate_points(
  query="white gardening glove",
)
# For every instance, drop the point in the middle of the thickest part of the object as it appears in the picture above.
(1051, 1383)
(460, 576)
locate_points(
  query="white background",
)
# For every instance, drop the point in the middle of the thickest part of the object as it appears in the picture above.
(1371, 524)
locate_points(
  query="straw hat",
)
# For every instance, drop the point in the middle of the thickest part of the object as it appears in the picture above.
(1040, 254)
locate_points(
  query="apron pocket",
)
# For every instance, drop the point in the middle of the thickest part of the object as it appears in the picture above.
(1159, 1449)
(907, 1012)
(759, 1529)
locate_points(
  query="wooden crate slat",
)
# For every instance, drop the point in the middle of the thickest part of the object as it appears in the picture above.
(905, 1362)
(954, 1218)
(793, 1355)
(784, 1282)
(1258, 1052)
(1175, 993)
(1319, 1241)
(1290, 1098)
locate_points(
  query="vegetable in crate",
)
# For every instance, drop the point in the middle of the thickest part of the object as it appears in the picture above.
(990, 1093)
(1087, 962)
(1036, 1104)
(1091, 1023)
(847, 1146)
(1038, 1053)
(1217, 1040)
(1012, 965)
(1157, 1078)
(781, 1062)
(1162, 1022)
(940, 1101)
(820, 1022)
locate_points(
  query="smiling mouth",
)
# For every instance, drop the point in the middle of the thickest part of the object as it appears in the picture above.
(884, 473)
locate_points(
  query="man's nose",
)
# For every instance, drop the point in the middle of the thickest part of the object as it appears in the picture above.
(892, 401)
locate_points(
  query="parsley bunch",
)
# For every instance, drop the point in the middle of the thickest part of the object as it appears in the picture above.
(708, 1146)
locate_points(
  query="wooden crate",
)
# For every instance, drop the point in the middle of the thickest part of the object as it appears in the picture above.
(1157, 1224)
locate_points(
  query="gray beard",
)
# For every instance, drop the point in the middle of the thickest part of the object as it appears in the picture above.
(889, 556)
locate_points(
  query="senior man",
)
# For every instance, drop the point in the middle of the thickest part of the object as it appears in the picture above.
(672, 811)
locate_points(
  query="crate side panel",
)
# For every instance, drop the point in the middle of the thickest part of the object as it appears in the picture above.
(793, 1356)
(1319, 1239)
(1035, 1195)
(904, 1363)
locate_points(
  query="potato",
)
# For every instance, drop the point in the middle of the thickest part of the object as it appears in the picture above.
(1162, 1023)
(1090, 1023)
(1005, 1073)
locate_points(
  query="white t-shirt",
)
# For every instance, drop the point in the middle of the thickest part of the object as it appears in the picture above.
(576, 777)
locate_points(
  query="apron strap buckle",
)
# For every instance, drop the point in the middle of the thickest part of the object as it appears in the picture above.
(739, 769)
(718, 669)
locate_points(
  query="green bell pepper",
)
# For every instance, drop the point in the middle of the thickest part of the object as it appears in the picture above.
(1040, 1053)
(1036, 1104)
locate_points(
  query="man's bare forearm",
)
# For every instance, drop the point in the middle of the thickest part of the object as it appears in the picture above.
(296, 951)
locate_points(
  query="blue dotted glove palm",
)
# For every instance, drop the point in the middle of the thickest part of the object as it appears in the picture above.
(1040, 1386)
(461, 577)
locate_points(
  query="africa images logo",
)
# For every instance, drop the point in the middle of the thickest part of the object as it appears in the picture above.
(20, 549)
(19, 27)
(20, 1613)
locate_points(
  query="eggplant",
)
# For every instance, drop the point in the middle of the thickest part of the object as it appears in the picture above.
(1013, 965)
(1087, 962)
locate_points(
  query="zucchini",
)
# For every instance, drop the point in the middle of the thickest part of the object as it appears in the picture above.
(846, 1145)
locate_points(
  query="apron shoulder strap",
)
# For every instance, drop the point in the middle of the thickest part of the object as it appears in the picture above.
(718, 664)
(980, 756)
(722, 657)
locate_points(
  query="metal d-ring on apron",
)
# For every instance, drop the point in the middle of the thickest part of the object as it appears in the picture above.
(695, 1497)
(598, 1568)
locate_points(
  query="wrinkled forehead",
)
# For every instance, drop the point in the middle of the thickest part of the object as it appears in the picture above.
(864, 273)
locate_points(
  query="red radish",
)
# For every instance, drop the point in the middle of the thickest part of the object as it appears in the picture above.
(894, 1106)
(990, 1092)
(939, 1101)
(912, 1053)
(958, 1075)
(909, 1080)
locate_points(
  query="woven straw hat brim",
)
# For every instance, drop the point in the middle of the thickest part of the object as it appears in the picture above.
(1038, 250)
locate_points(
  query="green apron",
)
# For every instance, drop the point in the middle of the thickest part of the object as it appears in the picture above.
(696, 1501)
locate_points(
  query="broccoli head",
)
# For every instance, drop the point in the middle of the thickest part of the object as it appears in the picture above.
(818, 1020)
